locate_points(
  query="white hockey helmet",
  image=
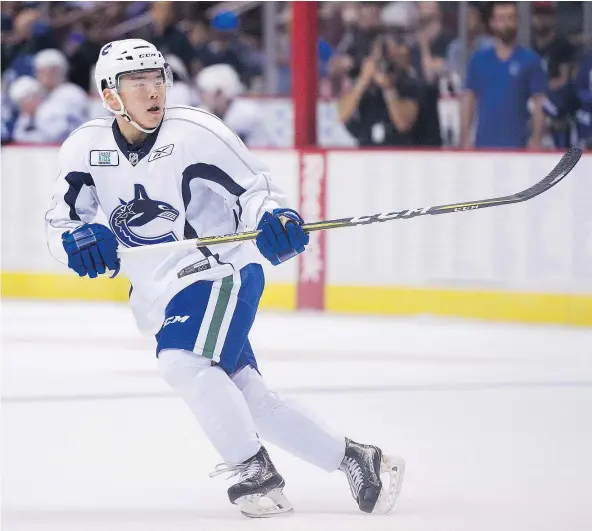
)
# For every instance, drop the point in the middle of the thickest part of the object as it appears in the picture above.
(51, 58)
(24, 87)
(222, 78)
(118, 58)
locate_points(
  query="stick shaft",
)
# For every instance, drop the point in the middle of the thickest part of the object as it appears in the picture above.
(563, 167)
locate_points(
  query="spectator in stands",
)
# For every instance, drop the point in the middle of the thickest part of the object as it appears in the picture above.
(558, 56)
(429, 61)
(429, 52)
(363, 26)
(500, 80)
(583, 86)
(224, 47)
(477, 39)
(401, 19)
(82, 54)
(557, 52)
(30, 34)
(199, 34)
(165, 35)
(284, 57)
(357, 41)
(333, 20)
(219, 90)
(382, 107)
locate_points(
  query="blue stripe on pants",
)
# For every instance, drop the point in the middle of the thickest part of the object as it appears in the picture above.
(183, 317)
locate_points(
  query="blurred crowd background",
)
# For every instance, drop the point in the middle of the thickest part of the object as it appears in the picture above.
(461, 74)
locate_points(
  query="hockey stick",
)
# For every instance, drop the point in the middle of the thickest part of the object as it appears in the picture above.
(563, 167)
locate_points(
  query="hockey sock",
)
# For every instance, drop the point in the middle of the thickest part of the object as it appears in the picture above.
(218, 405)
(288, 425)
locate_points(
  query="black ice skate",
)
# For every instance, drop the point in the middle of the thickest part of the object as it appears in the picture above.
(363, 464)
(259, 484)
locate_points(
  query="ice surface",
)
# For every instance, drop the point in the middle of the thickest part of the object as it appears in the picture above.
(494, 422)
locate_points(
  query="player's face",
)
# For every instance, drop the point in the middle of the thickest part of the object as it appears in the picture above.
(215, 102)
(542, 23)
(50, 77)
(29, 105)
(143, 95)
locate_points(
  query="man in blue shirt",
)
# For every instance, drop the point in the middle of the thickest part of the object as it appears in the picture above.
(500, 81)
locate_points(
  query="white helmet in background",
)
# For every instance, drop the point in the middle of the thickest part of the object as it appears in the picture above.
(51, 58)
(220, 78)
(124, 57)
(24, 87)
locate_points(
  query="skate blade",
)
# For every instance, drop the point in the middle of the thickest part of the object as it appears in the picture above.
(394, 466)
(274, 503)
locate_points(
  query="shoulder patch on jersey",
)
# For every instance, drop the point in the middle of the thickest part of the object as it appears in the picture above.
(161, 152)
(104, 157)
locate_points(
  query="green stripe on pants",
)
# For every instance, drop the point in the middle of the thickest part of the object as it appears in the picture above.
(218, 317)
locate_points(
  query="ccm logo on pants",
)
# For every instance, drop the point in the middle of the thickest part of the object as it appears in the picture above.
(175, 319)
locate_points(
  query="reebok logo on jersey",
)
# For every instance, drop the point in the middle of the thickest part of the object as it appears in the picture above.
(175, 319)
(104, 157)
(160, 152)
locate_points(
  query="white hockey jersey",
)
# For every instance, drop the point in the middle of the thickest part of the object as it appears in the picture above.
(64, 109)
(192, 177)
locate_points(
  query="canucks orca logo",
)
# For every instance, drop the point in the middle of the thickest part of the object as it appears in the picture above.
(137, 213)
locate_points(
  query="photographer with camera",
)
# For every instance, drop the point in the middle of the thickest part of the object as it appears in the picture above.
(382, 107)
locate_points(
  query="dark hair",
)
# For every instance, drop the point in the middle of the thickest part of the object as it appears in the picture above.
(491, 6)
(479, 8)
(544, 8)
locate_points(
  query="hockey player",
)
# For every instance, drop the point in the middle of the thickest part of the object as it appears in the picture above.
(55, 108)
(164, 174)
(66, 104)
(26, 95)
(219, 87)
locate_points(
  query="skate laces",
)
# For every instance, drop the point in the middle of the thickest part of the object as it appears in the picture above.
(245, 470)
(354, 474)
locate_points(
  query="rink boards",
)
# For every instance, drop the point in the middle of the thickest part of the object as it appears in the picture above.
(527, 262)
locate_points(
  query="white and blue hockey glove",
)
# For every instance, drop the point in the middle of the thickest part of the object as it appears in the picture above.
(91, 250)
(281, 236)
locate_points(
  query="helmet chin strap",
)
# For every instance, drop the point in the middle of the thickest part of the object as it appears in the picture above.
(125, 114)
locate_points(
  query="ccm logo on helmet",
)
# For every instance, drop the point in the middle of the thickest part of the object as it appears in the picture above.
(106, 49)
(142, 55)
